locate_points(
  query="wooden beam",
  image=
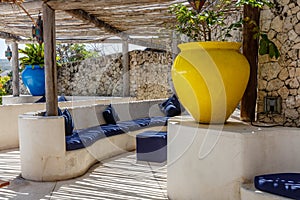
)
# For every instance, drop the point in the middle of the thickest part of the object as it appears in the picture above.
(15, 70)
(81, 14)
(9, 36)
(250, 50)
(125, 62)
(50, 61)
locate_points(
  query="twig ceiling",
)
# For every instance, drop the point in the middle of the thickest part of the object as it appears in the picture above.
(91, 20)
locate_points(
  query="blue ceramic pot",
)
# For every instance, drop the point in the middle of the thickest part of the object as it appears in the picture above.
(33, 78)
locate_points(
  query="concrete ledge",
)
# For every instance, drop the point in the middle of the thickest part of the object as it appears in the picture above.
(248, 192)
(9, 99)
(9, 114)
(212, 161)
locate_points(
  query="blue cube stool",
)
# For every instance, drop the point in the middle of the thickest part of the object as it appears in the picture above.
(151, 146)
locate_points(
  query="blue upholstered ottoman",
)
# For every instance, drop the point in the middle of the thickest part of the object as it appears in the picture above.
(151, 146)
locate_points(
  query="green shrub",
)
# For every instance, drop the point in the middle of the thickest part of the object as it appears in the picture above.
(3, 81)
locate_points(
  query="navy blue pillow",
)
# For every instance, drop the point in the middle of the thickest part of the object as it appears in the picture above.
(69, 124)
(283, 184)
(171, 107)
(59, 112)
(110, 116)
(61, 98)
(171, 110)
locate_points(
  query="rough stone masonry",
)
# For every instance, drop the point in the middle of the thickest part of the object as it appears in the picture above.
(149, 73)
(281, 78)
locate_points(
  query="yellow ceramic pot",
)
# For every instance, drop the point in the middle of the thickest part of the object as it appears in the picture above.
(210, 79)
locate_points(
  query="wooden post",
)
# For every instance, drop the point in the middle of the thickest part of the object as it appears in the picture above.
(126, 81)
(174, 45)
(15, 70)
(250, 50)
(50, 60)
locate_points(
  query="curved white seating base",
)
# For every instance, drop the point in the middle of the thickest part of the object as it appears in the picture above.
(248, 192)
(43, 145)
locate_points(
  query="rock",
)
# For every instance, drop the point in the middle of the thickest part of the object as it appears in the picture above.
(291, 113)
(292, 35)
(277, 24)
(274, 84)
(283, 92)
(284, 74)
(294, 83)
(297, 28)
(269, 71)
(290, 102)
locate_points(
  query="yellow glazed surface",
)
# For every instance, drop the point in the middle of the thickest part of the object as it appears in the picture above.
(210, 79)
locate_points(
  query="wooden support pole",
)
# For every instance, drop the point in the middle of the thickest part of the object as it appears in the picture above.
(126, 81)
(174, 45)
(50, 61)
(250, 50)
(15, 70)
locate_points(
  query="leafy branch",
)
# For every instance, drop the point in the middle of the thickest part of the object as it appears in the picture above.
(215, 17)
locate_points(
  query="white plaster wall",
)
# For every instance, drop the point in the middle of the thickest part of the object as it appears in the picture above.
(9, 123)
(9, 117)
(212, 161)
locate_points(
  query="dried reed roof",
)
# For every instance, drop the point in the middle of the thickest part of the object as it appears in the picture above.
(91, 20)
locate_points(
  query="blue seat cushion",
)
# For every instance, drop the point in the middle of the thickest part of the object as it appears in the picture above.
(61, 98)
(86, 137)
(41, 100)
(283, 184)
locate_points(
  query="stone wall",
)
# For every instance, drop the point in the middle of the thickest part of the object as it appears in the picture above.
(281, 78)
(149, 76)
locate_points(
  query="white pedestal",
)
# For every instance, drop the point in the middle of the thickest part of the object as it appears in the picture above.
(212, 161)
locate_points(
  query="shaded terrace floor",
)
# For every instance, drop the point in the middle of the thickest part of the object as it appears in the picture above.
(119, 177)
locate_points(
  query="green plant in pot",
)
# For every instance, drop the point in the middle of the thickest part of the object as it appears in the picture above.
(211, 76)
(33, 75)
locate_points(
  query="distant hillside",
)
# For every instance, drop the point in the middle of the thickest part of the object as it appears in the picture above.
(5, 64)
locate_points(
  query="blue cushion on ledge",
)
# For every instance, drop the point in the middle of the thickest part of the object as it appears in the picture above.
(41, 100)
(86, 137)
(61, 98)
(283, 184)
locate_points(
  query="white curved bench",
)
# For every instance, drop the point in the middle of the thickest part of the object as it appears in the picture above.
(43, 147)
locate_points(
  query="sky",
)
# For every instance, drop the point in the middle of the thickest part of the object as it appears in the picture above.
(104, 48)
(3, 47)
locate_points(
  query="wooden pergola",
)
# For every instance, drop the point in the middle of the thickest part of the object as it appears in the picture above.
(140, 22)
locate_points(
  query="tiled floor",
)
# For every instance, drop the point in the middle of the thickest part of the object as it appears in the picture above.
(117, 178)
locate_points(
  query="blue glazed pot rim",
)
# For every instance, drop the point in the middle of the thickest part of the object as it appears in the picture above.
(34, 66)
